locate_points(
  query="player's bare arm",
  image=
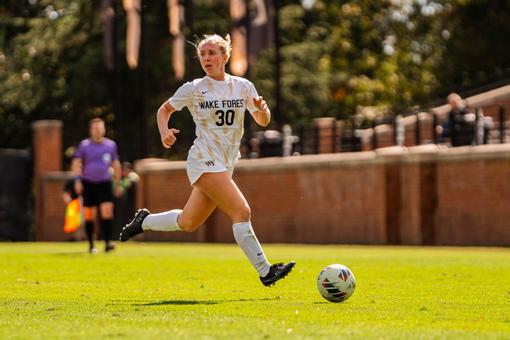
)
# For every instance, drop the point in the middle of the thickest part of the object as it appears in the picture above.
(117, 175)
(263, 115)
(168, 137)
(76, 169)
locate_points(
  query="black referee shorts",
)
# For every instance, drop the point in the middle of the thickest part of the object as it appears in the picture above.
(95, 193)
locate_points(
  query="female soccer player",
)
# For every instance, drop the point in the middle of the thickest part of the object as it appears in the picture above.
(217, 103)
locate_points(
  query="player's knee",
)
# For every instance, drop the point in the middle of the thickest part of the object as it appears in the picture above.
(187, 225)
(242, 213)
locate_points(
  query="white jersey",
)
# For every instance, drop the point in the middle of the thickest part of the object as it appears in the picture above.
(218, 110)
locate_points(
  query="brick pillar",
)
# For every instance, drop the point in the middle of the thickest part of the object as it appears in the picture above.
(325, 134)
(392, 158)
(47, 150)
(419, 195)
(338, 135)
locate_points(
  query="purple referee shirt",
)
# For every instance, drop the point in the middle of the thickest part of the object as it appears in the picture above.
(97, 159)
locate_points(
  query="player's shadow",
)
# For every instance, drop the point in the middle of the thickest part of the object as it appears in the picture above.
(177, 303)
(196, 302)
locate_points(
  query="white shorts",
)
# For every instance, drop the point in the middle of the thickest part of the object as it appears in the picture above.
(196, 167)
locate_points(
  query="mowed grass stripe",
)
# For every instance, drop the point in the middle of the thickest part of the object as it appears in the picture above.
(172, 290)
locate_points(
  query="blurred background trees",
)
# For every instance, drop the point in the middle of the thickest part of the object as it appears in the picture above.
(337, 58)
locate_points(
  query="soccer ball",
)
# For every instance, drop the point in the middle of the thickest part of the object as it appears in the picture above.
(336, 283)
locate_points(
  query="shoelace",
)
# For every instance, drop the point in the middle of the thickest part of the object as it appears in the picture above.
(279, 265)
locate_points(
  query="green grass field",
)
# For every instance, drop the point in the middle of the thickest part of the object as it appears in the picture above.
(169, 291)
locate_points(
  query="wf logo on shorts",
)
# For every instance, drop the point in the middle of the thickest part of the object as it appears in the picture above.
(209, 163)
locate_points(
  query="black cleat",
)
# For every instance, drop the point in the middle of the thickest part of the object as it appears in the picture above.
(276, 272)
(109, 247)
(135, 226)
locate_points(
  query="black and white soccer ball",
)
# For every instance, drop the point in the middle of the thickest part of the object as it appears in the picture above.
(336, 283)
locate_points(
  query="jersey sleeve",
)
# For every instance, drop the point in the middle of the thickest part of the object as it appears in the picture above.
(115, 152)
(252, 93)
(79, 151)
(182, 97)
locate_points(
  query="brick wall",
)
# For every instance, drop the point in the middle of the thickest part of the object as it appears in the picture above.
(164, 186)
(47, 146)
(51, 225)
(315, 199)
(414, 195)
(473, 194)
(419, 195)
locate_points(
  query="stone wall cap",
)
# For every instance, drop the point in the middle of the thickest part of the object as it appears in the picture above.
(158, 164)
(488, 151)
(395, 150)
(380, 156)
(57, 175)
(425, 152)
(142, 163)
(486, 98)
(47, 123)
(324, 121)
(426, 148)
(383, 128)
(321, 160)
(490, 97)
(309, 161)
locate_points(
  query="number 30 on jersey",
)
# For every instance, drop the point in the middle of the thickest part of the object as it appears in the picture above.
(225, 117)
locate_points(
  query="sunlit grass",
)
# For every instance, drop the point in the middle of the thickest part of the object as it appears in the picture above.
(170, 290)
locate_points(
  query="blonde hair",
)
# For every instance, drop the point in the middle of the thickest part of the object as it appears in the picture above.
(224, 44)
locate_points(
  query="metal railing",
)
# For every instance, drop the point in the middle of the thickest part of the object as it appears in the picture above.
(307, 139)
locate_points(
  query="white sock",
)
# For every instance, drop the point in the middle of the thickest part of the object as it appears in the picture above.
(165, 221)
(246, 239)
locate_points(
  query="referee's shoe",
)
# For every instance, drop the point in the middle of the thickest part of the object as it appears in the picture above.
(135, 226)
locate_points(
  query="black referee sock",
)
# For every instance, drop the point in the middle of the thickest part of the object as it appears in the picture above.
(89, 228)
(106, 227)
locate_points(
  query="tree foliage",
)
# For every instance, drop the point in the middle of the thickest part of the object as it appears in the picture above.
(341, 57)
(49, 66)
(477, 50)
(338, 58)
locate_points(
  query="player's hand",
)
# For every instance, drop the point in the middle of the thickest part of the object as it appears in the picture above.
(118, 191)
(168, 137)
(262, 116)
(261, 104)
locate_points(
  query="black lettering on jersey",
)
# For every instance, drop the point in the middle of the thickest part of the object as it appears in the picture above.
(225, 117)
(209, 104)
(238, 103)
(209, 163)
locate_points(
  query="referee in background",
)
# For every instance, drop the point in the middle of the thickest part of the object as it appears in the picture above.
(93, 179)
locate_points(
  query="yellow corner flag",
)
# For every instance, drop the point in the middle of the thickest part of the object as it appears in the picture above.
(74, 216)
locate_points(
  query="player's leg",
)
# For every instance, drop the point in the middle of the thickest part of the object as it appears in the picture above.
(104, 197)
(222, 190)
(106, 218)
(226, 195)
(198, 208)
(196, 211)
(89, 201)
(89, 227)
